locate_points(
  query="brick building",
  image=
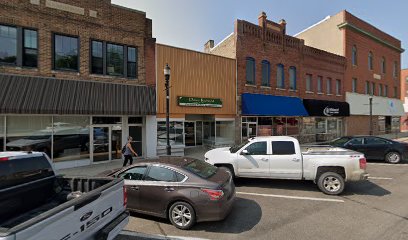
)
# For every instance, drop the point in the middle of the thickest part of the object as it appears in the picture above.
(77, 78)
(373, 68)
(284, 87)
(404, 99)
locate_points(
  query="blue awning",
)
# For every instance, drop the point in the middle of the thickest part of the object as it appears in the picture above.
(269, 105)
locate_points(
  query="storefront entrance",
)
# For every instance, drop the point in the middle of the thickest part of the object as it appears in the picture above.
(106, 143)
(193, 133)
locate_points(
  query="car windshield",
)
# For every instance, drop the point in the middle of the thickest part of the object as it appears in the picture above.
(235, 148)
(339, 141)
(200, 168)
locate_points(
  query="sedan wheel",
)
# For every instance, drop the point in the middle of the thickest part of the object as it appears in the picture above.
(182, 215)
(393, 157)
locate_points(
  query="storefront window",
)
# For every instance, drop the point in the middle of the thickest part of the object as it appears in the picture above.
(175, 133)
(71, 138)
(29, 133)
(381, 124)
(320, 125)
(292, 126)
(1, 133)
(279, 125)
(265, 126)
(332, 126)
(395, 124)
(225, 133)
(309, 126)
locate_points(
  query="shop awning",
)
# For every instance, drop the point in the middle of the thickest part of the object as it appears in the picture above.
(269, 105)
(326, 108)
(381, 106)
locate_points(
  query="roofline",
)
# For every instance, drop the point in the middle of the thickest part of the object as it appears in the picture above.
(191, 50)
(314, 25)
(223, 40)
(127, 8)
(370, 35)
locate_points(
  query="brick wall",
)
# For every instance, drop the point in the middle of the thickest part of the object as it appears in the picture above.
(227, 48)
(87, 19)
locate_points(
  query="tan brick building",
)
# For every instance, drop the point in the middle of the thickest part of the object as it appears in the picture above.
(284, 87)
(373, 68)
(77, 77)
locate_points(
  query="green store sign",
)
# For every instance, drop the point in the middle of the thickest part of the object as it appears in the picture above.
(199, 102)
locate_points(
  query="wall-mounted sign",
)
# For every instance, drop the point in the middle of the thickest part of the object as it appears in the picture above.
(326, 108)
(377, 76)
(199, 102)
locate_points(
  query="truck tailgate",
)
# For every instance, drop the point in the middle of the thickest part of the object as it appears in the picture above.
(82, 219)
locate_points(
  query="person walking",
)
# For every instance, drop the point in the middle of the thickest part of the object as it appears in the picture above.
(128, 152)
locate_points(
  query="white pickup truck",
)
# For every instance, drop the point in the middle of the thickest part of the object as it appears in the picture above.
(37, 204)
(279, 157)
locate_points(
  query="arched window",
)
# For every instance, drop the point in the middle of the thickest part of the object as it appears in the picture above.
(395, 70)
(266, 69)
(292, 78)
(250, 71)
(280, 76)
(383, 66)
(354, 55)
(370, 61)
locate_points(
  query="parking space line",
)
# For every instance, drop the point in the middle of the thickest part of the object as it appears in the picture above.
(293, 197)
(380, 178)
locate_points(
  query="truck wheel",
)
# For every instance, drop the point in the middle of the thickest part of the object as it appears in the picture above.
(182, 215)
(331, 183)
(228, 169)
(393, 157)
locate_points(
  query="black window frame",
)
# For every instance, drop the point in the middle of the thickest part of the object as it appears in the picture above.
(131, 62)
(54, 34)
(247, 74)
(17, 45)
(24, 48)
(91, 65)
(266, 72)
(280, 79)
(123, 63)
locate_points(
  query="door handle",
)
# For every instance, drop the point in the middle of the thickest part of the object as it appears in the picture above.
(168, 189)
(134, 188)
(296, 160)
(264, 159)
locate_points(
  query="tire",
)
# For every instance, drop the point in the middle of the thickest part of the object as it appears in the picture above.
(228, 169)
(188, 218)
(393, 157)
(331, 183)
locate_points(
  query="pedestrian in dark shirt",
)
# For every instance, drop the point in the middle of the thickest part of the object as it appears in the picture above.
(128, 152)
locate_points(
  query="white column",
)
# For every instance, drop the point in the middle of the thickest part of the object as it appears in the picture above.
(151, 136)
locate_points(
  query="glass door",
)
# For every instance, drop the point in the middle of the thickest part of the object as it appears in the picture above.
(101, 144)
(189, 133)
(199, 133)
(116, 143)
(137, 144)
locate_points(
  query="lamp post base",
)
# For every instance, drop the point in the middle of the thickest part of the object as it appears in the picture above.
(168, 150)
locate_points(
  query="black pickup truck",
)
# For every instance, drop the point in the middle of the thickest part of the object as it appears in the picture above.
(35, 203)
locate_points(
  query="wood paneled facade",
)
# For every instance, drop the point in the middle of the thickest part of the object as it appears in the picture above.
(199, 75)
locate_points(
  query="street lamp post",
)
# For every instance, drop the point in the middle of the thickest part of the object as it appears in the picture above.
(167, 78)
(371, 115)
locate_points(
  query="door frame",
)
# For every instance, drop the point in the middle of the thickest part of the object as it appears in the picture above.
(91, 145)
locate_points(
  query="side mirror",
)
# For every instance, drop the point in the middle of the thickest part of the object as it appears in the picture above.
(244, 152)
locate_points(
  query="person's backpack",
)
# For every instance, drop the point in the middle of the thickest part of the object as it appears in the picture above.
(124, 149)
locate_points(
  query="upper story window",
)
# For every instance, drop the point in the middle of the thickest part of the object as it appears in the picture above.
(380, 90)
(66, 55)
(309, 83)
(320, 84)
(115, 59)
(383, 65)
(395, 92)
(338, 87)
(372, 90)
(30, 48)
(329, 86)
(97, 57)
(367, 87)
(292, 78)
(132, 62)
(370, 61)
(354, 55)
(250, 71)
(385, 91)
(395, 70)
(8, 45)
(354, 85)
(280, 76)
(265, 73)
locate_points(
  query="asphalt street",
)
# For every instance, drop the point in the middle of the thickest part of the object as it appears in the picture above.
(279, 209)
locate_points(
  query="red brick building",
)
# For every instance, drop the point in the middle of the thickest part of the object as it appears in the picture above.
(275, 72)
(78, 76)
(373, 68)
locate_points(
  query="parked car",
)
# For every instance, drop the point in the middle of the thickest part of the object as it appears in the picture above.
(184, 190)
(375, 148)
(35, 203)
(278, 157)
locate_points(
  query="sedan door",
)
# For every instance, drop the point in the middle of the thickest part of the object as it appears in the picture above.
(253, 160)
(285, 161)
(133, 180)
(161, 184)
(376, 148)
(356, 144)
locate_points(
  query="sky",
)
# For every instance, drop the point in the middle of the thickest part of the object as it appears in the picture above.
(191, 23)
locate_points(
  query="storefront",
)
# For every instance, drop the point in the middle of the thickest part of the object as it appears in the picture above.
(386, 114)
(326, 120)
(75, 122)
(268, 115)
(202, 100)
